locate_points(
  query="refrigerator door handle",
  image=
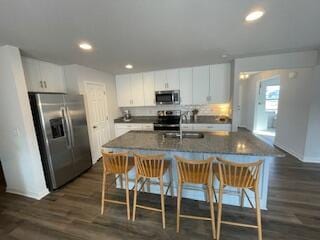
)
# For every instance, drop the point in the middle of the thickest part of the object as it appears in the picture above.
(66, 126)
(70, 126)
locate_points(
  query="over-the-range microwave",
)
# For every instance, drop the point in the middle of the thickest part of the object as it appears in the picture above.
(167, 97)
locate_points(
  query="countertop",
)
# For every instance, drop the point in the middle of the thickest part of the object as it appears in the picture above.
(237, 143)
(138, 119)
(200, 120)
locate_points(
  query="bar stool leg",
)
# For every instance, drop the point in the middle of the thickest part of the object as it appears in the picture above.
(103, 191)
(127, 195)
(212, 212)
(171, 181)
(257, 199)
(179, 206)
(219, 211)
(242, 198)
(162, 203)
(135, 197)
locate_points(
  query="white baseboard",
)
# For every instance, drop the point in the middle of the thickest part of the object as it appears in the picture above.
(311, 159)
(289, 150)
(33, 195)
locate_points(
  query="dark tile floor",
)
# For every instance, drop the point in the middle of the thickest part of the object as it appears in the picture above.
(73, 212)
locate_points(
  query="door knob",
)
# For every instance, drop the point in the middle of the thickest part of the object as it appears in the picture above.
(94, 126)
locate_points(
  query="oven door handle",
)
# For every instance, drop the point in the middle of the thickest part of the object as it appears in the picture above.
(166, 125)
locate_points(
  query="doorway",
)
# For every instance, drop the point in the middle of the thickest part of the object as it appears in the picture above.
(2, 180)
(97, 115)
(266, 108)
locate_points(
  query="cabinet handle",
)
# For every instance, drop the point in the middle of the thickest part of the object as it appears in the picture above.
(41, 84)
(45, 84)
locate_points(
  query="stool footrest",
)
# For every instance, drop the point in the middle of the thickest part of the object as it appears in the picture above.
(115, 201)
(239, 224)
(148, 208)
(195, 217)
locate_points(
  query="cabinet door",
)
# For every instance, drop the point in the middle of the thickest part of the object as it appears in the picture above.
(52, 76)
(32, 75)
(137, 90)
(220, 83)
(160, 80)
(148, 89)
(123, 83)
(186, 86)
(172, 77)
(201, 83)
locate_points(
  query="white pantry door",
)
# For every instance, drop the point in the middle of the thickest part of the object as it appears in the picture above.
(98, 122)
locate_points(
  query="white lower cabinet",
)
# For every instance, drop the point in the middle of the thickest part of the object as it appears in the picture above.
(122, 128)
(206, 127)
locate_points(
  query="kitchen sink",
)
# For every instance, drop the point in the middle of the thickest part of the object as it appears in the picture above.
(184, 135)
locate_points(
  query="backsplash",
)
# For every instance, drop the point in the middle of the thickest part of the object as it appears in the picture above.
(210, 109)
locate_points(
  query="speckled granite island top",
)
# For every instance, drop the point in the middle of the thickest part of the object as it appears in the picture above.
(236, 143)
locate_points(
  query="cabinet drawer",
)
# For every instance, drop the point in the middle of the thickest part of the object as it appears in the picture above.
(147, 127)
(212, 127)
(187, 127)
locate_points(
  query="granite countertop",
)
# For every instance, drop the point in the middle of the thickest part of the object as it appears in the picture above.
(238, 143)
(208, 120)
(138, 119)
(200, 120)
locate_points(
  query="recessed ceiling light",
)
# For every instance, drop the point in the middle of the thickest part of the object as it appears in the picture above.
(255, 15)
(85, 46)
(129, 66)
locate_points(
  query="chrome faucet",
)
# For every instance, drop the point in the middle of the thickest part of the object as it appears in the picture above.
(182, 116)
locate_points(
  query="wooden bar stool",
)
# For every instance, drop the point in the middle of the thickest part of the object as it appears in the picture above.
(242, 176)
(195, 172)
(120, 164)
(149, 167)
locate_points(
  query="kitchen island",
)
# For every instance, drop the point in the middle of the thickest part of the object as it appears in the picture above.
(239, 146)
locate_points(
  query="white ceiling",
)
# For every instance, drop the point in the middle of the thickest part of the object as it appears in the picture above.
(156, 34)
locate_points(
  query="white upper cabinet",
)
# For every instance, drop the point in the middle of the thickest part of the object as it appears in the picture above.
(198, 85)
(148, 89)
(137, 96)
(201, 85)
(43, 76)
(123, 83)
(130, 90)
(173, 82)
(160, 80)
(186, 86)
(167, 80)
(220, 83)
(53, 77)
(32, 74)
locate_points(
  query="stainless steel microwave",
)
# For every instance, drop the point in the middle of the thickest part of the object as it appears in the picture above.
(167, 97)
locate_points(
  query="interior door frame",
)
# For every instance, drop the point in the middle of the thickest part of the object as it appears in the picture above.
(258, 84)
(89, 121)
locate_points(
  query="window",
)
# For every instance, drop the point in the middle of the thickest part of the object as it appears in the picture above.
(272, 98)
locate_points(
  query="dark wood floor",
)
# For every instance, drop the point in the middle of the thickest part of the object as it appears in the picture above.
(74, 211)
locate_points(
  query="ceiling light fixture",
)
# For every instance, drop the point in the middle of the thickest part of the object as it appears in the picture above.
(85, 46)
(129, 66)
(255, 15)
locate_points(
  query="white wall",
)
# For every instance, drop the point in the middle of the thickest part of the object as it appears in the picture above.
(312, 150)
(307, 59)
(19, 152)
(76, 75)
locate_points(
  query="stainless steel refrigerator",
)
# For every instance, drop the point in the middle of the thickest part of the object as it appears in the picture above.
(62, 133)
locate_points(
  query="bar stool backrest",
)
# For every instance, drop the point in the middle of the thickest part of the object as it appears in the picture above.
(194, 171)
(241, 175)
(150, 166)
(115, 162)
